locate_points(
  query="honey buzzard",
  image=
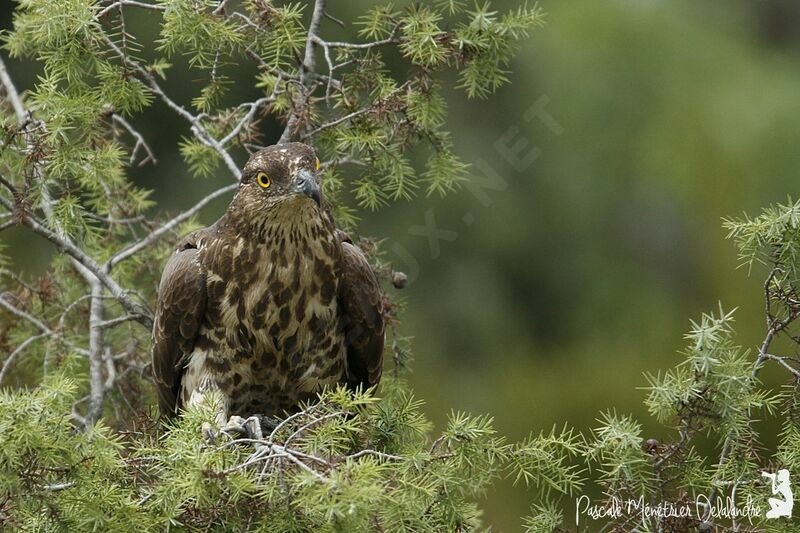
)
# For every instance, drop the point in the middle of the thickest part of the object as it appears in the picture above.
(269, 304)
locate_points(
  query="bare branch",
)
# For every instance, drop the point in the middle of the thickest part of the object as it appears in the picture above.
(17, 279)
(12, 357)
(313, 423)
(220, 8)
(354, 114)
(90, 264)
(313, 32)
(44, 328)
(58, 486)
(290, 78)
(376, 453)
(117, 321)
(14, 310)
(246, 119)
(96, 348)
(140, 142)
(96, 311)
(268, 451)
(80, 419)
(196, 126)
(12, 95)
(392, 39)
(63, 318)
(334, 19)
(307, 68)
(782, 361)
(132, 3)
(112, 220)
(290, 418)
(162, 230)
(327, 52)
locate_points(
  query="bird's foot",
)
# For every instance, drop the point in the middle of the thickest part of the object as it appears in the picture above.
(238, 427)
(209, 435)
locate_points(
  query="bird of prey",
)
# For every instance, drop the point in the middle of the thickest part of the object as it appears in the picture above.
(269, 304)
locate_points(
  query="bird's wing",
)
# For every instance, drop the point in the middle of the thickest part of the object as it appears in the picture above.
(179, 313)
(360, 300)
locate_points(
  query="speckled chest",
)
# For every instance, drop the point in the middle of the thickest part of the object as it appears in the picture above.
(272, 335)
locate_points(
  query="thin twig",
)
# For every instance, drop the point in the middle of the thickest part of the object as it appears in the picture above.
(18, 280)
(38, 323)
(112, 220)
(269, 451)
(59, 486)
(354, 114)
(196, 126)
(116, 321)
(393, 39)
(162, 230)
(246, 119)
(220, 8)
(24, 344)
(376, 453)
(132, 3)
(313, 423)
(782, 361)
(140, 142)
(25, 316)
(334, 19)
(290, 418)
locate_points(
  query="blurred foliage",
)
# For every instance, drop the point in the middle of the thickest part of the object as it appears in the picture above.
(581, 273)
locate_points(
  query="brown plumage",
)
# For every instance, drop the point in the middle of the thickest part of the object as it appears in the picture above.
(269, 304)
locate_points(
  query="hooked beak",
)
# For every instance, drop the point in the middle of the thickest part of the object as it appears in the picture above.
(306, 184)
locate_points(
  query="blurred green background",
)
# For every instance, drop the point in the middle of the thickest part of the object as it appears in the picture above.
(554, 287)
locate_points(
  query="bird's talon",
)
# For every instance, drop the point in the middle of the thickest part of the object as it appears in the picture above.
(208, 433)
(235, 428)
(253, 427)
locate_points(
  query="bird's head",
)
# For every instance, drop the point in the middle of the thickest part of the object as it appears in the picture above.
(281, 179)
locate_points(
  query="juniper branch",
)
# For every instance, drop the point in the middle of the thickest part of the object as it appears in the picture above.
(123, 295)
(196, 125)
(306, 70)
(354, 114)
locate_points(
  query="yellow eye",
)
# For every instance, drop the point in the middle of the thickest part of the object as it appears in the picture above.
(318, 163)
(263, 180)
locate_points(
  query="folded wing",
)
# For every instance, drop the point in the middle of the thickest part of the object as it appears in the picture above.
(360, 302)
(179, 313)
